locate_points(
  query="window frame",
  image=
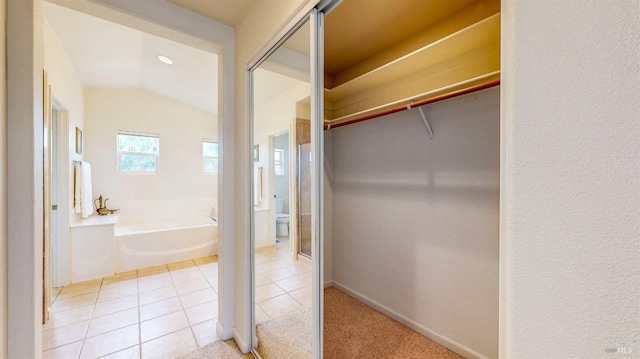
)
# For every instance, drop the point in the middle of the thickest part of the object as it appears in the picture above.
(205, 158)
(119, 153)
(279, 162)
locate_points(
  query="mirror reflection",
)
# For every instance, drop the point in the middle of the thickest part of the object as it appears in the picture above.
(282, 200)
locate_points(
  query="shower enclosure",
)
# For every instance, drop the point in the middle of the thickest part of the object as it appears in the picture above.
(304, 199)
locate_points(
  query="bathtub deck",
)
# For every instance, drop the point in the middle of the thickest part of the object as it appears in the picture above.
(163, 311)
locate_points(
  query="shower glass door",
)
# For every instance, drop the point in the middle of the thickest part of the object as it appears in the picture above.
(304, 199)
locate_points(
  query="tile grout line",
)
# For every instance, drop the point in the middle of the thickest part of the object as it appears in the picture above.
(90, 318)
(184, 311)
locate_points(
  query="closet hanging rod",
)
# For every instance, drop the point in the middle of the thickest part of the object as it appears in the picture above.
(426, 101)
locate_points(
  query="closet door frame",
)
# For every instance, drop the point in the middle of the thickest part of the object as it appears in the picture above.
(315, 17)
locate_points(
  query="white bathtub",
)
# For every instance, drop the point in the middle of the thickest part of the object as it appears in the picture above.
(151, 244)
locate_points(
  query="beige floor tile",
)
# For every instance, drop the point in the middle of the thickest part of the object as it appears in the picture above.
(192, 285)
(198, 297)
(76, 289)
(116, 305)
(110, 342)
(268, 291)
(181, 265)
(278, 306)
(202, 312)
(267, 267)
(185, 276)
(56, 337)
(158, 309)
(155, 270)
(275, 256)
(119, 292)
(61, 319)
(206, 260)
(130, 273)
(160, 326)
(129, 353)
(267, 249)
(151, 283)
(83, 300)
(113, 321)
(261, 316)
(261, 280)
(157, 295)
(205, 332)
(278, 274)
(260, 259)
(292, 283)
(170, 346)
(69, 351)
(303, 296)
(299, 267)
(212, 279)
(209, 269)
(120, 280)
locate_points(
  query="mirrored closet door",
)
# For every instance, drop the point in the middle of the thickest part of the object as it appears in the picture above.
(286, 99)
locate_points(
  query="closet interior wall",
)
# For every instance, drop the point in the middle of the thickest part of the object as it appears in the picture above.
(414, 224)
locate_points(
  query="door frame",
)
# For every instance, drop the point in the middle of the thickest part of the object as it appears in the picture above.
(60, 273)
(24, 150)
(272, 183)
(316, 20)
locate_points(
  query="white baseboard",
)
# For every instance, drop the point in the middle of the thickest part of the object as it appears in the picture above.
(222, 333)
(440, 339)
(242, 345)
(328, 284)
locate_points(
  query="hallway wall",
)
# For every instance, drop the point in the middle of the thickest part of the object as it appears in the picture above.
(67, 87)
(415, 220)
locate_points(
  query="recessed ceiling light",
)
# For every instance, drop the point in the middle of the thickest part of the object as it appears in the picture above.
(165, 59)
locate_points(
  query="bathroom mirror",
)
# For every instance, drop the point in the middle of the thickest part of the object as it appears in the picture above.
(285, 101)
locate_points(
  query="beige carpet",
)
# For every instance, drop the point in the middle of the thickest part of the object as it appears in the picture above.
(351, 330)
(355, 330)
(287, 337)
(219, 350)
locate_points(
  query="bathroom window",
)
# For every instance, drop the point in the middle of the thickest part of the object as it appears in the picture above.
(278, 157)
(138, 153)
(210, 156)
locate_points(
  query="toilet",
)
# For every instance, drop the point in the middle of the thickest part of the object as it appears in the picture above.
(282, 219)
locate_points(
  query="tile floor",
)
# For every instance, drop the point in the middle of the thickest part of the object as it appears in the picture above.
(282, 283)
(164, 311)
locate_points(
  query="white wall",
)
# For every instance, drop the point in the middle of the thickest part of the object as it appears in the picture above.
(181, 188)
(67, 88)
(415, 221)
(571, 195)
(275, 116)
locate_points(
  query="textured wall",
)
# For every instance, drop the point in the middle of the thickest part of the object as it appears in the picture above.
(570, 224)
(415, 221)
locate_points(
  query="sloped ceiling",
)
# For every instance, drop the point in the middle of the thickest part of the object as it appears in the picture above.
(111, 55)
